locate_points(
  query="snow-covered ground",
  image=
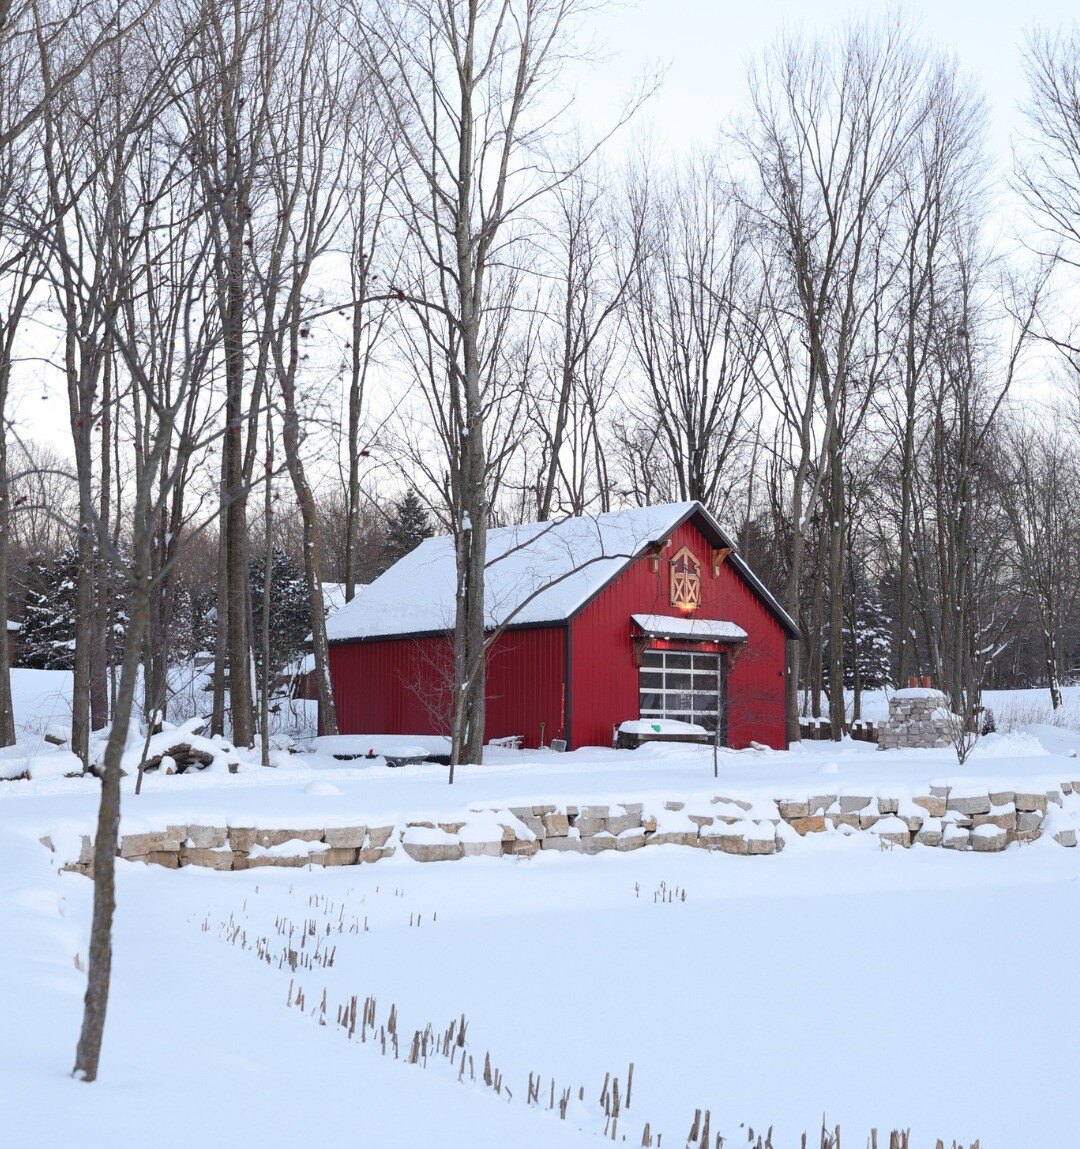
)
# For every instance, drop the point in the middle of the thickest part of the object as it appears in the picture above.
(885, 987)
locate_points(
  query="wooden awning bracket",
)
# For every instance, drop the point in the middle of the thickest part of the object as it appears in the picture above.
(719, 556)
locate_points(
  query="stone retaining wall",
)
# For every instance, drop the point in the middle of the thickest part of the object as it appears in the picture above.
(945, 817)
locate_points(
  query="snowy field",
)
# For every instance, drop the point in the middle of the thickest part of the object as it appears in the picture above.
(915, 988)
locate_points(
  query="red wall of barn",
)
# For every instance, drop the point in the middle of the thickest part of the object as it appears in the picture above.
(401, 686)
(604, 680)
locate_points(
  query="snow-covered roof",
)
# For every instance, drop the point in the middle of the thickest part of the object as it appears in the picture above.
(666, 626)
(536, 573)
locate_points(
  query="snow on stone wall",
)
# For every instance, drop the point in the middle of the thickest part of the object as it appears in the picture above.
(949, 817)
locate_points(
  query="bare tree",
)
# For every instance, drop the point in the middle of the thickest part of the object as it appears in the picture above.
(308, 174)
(1039, 487)
(833, 121)
(692, 319)
(20, 273)
(470, 84)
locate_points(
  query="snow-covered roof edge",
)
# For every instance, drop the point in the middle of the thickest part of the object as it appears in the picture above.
(680, 514)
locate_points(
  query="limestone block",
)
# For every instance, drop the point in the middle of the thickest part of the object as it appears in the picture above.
(432, 851)
(1031, 802)
(914, 822)
(815, 824)
(632, 839)
(896, 837)
(727, 843)
(674, 806)
(955, 838)
(933, 804)
(928, 836)
(648, 823)
(988, 839)
(700, 820)
(212, 859)
(488, 849)
(587, 827)
(619, 823)
(979, 804)
(743, 805)
(790, 810)
(1055, 797)
(1006, 821)
(336, 856)
(940, 791)
(673, 838)
(542, 810)
(524, 849)
(1002, 797)
(292, 862)
(595, 843)
(819, 803)
(241, 838)
(962, 820)
(562, 844)
(374, 853)
(207, 837)
(867, 821)
(139, 845)
(634, 808)
(853, 803)
(1066, 837)
(757, 845)
(597, 812)
(168, 858)
(1028, 821)
(269, 838)
(555, 825)
(534, 822)
(888, 805)
(451, 827)
(378, 836)
(346, 837)
(851, 820)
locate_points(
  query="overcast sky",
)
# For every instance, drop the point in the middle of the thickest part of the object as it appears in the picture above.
(705, 46)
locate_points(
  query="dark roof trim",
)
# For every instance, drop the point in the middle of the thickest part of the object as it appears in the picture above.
(545, 624)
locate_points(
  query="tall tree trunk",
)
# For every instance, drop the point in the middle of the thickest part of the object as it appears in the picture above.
(7, 717)
(99, 970)
(837, 516)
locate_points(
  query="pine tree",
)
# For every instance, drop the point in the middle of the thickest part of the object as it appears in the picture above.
(407, 527)
(289, 625)
(47, 640)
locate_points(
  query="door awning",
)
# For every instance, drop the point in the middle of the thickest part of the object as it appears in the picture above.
(689, 629)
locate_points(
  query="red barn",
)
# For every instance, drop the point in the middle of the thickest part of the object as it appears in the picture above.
(643, 613)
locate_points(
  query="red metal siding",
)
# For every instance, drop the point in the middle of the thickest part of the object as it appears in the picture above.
(401, 686)
(604, 680)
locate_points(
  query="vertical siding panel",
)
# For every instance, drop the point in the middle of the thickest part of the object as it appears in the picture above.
(399, 686)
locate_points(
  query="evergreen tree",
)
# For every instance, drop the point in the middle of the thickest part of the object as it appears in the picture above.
(289, 625)
(407, 527)
(47, 640)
